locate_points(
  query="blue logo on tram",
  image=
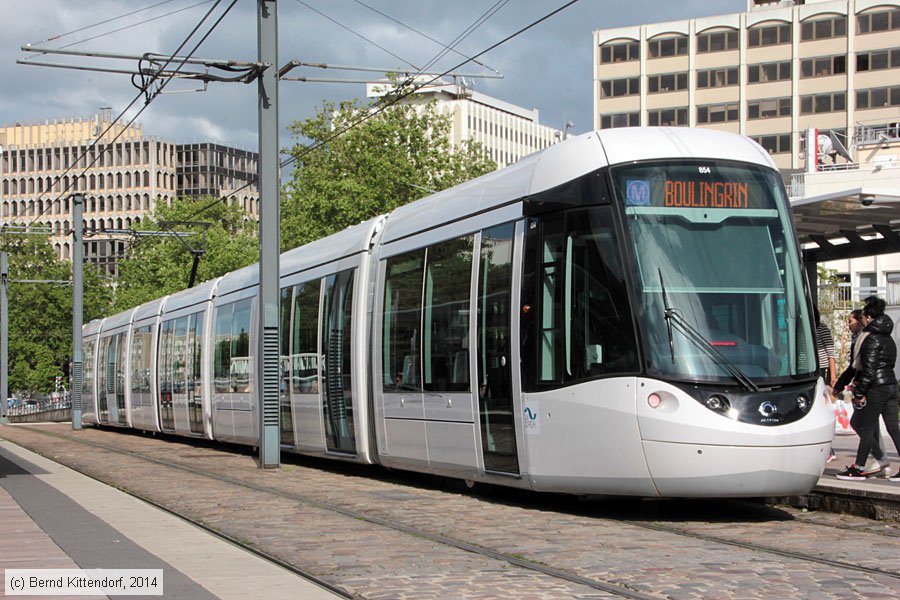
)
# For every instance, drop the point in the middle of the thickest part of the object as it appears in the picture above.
(637, 192)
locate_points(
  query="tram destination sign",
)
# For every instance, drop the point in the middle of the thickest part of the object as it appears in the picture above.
(683, 192)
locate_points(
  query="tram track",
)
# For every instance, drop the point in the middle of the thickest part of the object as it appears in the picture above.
(613, 588)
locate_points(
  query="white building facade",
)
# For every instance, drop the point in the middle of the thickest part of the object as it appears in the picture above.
(508, 132)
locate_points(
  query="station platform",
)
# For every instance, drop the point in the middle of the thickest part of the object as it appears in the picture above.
(52, 517)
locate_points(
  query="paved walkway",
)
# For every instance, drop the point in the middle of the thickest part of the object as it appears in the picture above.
(52, 517)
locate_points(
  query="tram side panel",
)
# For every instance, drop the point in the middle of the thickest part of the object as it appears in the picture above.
(89, 348)
(442, 351)
(184, 372)
(233, 360)
(325, 390)
(142, 365)
(113, 376)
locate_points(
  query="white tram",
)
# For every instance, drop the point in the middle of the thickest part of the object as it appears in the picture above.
(622, 313)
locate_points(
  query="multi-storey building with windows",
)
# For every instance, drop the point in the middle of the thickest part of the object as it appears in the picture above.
(770, 73)
(508, 132)
(121, 173)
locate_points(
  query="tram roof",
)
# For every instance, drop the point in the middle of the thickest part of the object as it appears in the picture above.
(564, 162)
(190, 296)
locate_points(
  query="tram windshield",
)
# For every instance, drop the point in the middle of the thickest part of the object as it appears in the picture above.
(717, 271)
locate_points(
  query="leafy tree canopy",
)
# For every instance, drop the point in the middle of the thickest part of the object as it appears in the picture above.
(393, 158)
(162, 265)
(40, 314)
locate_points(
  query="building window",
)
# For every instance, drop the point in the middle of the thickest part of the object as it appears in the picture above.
(766, 72)
(612, 88)
(823, 66)
(717, 77)
(610, 121)
(768, 35)
(769, 108)
(717, 113)
(873, 22)
(717, 42)
(877, 60)
(823, 103)
(668, 46)
(822, 29)
(668, 82)
(668, 117)
(616, 53)
(878, 97)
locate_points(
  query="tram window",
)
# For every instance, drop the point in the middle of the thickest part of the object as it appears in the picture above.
(166, 341)
(224, 317)
(446, 324)
(402, 319)
(305, 334)
(240, 348)
(578, 322)
(87, 382)
(179, 356)
(196, 354)
(120, 375)
(141, 347)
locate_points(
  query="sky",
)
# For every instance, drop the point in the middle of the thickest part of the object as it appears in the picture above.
(547, 67)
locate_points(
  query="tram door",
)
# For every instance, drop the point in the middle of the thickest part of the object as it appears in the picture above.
(336, 343)
(284, 384)
(495, 401)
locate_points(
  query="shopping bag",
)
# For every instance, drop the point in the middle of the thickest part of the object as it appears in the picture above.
(843, 410)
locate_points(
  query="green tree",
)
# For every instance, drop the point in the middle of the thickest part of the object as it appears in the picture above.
(391, 159)
(40, 314)
(157, 266)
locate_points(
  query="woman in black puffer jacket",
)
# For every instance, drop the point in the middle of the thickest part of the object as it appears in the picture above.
(876, 385)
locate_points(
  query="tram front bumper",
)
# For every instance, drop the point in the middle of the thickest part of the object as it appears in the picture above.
(695, 470)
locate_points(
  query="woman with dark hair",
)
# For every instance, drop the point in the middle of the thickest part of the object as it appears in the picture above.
(856, 324)
(875, 389)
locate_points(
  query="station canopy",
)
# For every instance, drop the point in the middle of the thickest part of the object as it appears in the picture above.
(849, 223)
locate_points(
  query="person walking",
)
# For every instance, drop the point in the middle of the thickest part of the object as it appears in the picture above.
(855, 323)
(875, 388)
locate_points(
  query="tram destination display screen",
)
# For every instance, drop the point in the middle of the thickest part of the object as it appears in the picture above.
(694, 186)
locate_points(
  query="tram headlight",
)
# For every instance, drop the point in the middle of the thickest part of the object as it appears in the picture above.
(804, 403)
(718, 403)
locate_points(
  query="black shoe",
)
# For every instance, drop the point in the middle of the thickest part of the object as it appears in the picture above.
(851, 473)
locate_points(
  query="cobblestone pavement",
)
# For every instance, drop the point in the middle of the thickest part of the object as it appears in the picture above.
(303, 514)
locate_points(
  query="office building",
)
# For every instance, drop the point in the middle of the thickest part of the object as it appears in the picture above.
(771, 73)
(506, 131)
(121, 172)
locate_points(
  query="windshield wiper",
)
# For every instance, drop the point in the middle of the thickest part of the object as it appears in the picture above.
(696, 338)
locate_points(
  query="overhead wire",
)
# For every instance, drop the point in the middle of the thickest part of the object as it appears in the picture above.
(359, 35)
(375, 109)
(148, 100)
(104, 22)
(137, 24)
(480, 20)
(467, 32)
(423, 34)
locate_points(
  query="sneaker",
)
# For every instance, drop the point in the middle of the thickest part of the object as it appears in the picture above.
(874, 470)
(851, 473)
(831, 456)
(877, 469)
(895, 478)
